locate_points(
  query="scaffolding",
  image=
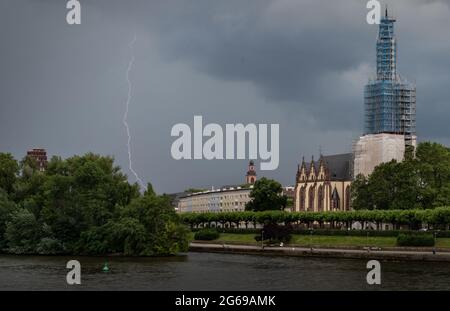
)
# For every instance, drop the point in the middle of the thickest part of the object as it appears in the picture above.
(390, 101)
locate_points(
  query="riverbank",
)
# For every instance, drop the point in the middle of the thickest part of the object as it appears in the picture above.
(395, 254)
(326, 241)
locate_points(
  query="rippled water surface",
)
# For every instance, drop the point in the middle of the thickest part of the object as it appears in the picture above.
(207, 271)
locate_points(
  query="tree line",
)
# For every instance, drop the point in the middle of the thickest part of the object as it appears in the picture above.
(438, 218)
(83, 205)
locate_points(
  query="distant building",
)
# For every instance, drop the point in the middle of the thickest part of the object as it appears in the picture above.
(231, 199)
(250, 177)
(40, 156)
(324, 185)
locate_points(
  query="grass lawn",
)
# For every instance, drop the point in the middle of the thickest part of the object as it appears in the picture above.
(325, 241)
(322, 241)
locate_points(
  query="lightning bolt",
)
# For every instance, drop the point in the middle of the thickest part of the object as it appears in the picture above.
(125, 116)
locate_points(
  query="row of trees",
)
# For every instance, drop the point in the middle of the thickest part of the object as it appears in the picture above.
(421, 181)
(83, 205)
(438, 217)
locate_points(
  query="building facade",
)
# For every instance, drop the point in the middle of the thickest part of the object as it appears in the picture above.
(231, 199)
(371, 150)
(324, 185)
(40, 156)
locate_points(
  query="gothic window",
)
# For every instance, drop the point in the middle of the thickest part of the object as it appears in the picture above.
(311, 199)
(347, 198)
(335, 200)
(320, 199)
(302, 198)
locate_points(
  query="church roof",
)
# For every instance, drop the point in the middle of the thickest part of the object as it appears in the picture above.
(338, 166)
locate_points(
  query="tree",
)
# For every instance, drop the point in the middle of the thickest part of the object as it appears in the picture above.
(422, 181)
(9, 169)
(23, 232)
(83, 205)
(164, 232)
(361, 196)
(433, 163)
(7, 208)
(266, 195)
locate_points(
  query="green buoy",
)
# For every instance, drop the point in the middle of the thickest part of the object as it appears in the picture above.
(105, 267)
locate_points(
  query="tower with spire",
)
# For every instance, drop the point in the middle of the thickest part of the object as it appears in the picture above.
(390, 108)
(389, 100)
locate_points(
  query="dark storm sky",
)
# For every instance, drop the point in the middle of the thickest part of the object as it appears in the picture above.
(299, 63)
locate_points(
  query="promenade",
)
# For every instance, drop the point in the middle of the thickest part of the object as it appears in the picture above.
(365, 253)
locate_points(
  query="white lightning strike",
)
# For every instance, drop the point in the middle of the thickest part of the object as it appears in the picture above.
(125, 117)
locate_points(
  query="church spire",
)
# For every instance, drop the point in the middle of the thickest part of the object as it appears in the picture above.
(250, 177)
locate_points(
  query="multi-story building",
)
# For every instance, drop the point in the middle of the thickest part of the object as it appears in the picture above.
(230, 199)
(40, 156)
(226, 199)
(390, 108)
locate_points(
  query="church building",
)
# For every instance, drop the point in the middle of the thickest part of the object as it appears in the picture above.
(324, 185)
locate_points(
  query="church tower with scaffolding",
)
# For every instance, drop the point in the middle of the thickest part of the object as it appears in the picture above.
(390, 108)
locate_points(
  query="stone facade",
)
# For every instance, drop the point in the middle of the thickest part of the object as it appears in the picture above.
(373, 149)
(324, 185)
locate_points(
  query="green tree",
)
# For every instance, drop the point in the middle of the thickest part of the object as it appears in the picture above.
(7, 207)
(361, 196)
(83, 205)
(392, 185)
(433, 163)
(165, 234)
(9, 169)
(267, 194)
(23, 232)
(420, 181)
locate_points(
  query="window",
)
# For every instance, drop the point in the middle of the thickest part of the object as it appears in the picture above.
(320, 199)
(335, 200)
(311, 199)
(347, 198)
(302, 198)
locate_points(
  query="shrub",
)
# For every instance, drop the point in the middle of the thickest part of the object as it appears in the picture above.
(275, 233)
(49, 246)
(206, 235)
(415, 239)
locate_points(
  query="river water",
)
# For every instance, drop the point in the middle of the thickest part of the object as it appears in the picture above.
(208, 271)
